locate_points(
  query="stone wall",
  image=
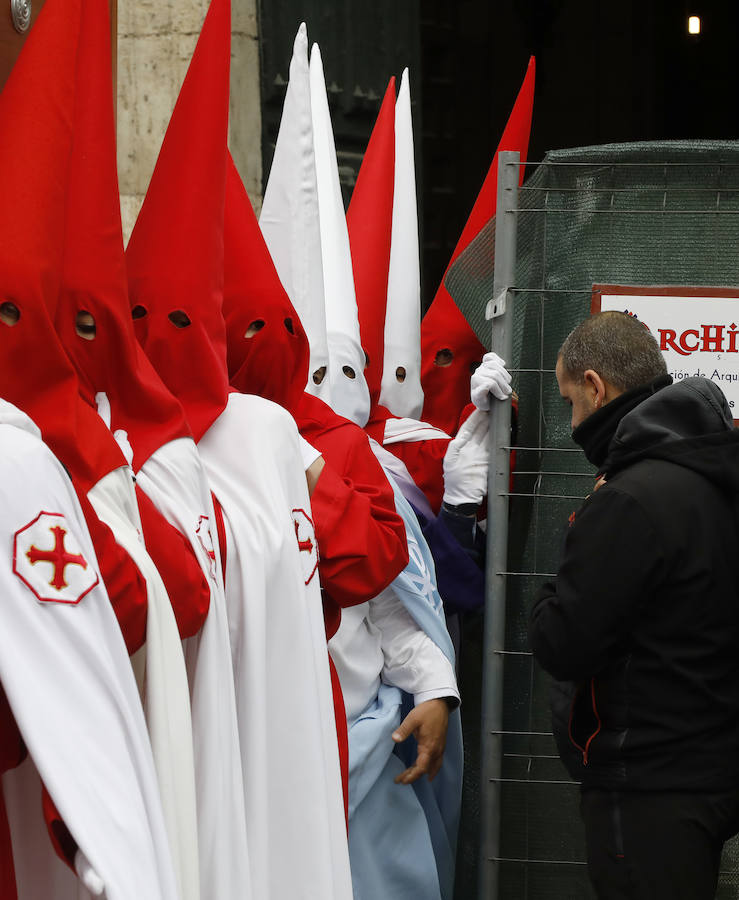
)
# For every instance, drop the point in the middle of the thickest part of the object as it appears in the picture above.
(156, 39)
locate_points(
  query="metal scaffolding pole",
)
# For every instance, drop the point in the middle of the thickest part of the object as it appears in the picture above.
(501, 313)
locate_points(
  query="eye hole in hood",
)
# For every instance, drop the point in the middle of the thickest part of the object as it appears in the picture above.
(84, 325)
(179, 318)
(254, 327)
(9, 313)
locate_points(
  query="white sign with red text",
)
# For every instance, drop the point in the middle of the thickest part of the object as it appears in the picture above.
(697, 329)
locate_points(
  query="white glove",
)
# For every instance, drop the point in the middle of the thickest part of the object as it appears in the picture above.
(490, 377)
(88, 876)
(466, 462)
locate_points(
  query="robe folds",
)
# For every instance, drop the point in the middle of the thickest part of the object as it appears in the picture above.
(174, 481)
(419, 446)
(402, 839)
(292, 787)
(160, 668)
(361, 537)
(68, 681)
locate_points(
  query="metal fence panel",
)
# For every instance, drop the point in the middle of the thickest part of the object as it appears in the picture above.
(645, 214)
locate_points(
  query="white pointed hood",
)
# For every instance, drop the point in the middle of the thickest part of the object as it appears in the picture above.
(401, 390)
(290, 219)
(349, 392)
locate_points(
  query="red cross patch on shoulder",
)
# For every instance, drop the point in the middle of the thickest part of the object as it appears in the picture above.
(49, 561)
(305, 535)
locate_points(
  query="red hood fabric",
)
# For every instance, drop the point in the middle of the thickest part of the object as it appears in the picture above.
(94, 269)
(273, 362)
(447, 388)
(175, 254)
(36, 122)
(369, 221)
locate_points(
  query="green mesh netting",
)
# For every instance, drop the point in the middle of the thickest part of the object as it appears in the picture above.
(642, 214)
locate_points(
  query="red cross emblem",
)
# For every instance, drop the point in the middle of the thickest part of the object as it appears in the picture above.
(305, 546)
(58, 573)
(305, 536)
(57, 556)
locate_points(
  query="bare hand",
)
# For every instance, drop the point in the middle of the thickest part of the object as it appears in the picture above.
(428, 723)
(599, 483)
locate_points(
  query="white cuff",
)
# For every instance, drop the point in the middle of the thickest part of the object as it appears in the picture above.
(451, 692)
(308, 452)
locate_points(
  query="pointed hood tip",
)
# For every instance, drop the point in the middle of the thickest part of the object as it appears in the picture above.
(403, 309)
(273, 364)
(290, 217)
(369, 221)
(94, 272)
(208, 74)
(175, 254)
(447, 388)
(38, 125)
(405, 85)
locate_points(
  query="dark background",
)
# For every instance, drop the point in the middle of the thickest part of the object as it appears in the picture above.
(606, 72)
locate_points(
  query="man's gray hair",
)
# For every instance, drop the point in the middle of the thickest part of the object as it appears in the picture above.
(615, 345)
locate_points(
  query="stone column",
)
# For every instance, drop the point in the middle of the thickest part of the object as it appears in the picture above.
(156, 39)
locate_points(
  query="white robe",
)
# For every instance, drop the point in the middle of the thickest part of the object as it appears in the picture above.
(67, 676)
(295, 818)
(174, 480)
(166, 694)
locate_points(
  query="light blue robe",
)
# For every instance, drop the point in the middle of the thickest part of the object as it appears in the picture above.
(402, 839)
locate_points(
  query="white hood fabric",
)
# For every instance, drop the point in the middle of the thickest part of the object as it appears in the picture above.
(290, 219)
(349, 392)
(401, 390)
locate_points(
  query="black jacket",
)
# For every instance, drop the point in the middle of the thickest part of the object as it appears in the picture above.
(643, 618)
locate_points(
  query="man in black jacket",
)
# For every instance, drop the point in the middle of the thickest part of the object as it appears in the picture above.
(641, 626)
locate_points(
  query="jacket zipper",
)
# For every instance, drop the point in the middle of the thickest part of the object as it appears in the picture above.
(586, 749)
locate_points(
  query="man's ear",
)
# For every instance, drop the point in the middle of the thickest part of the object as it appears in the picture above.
(596, 389)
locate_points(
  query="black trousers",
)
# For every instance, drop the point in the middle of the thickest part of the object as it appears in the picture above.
(657, 846)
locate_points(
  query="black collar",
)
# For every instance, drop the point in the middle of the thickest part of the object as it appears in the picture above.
(595, 434)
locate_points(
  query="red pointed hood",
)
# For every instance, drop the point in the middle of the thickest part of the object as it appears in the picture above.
(447, 387)
(94, 268)
(36, 122)
(272, 361)
(369, 220)
(175, 255)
